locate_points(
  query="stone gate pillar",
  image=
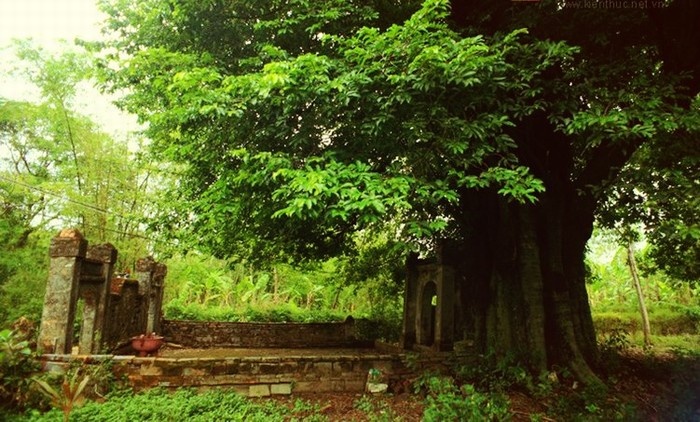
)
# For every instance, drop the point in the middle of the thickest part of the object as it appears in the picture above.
(410, 305)
(444, 323)
(150, 275)
(56, 331)
(156, 301)
(94, 291)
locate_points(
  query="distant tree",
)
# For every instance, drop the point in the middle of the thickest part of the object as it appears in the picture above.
(57, 169)
(660, 189)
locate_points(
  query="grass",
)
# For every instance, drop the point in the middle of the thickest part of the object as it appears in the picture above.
(682, 343)
(667, 319)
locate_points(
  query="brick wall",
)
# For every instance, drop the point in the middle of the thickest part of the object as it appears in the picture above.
(260, 335)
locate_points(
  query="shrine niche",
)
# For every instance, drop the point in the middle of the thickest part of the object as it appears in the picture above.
(429, 306)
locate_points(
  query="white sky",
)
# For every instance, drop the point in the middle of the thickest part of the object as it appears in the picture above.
(47, 22)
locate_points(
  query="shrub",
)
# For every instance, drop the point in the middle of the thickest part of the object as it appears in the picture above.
(17, 364)
(493, 373)
(447, 402)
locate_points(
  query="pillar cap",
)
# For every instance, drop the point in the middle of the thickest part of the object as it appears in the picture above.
(71, 233)
(145, 265)
(68, 243)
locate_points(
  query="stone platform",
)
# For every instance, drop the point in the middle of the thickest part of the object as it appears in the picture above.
(251, 372)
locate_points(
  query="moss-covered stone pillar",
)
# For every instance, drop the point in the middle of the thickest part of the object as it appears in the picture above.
(155, 303)
(94, 291)
(444, 324)
(56, 331)
(145, 272)
(410, 303)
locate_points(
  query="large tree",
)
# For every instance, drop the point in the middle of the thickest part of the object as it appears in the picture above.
(491, 126)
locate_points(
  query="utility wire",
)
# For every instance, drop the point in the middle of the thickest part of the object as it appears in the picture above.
(89, 206)
(56, 195)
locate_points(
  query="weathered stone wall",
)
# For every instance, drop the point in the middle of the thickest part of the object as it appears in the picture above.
(259, 335)
(251, 376)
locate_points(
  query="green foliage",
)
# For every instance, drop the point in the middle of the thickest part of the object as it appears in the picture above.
(665, 319)
(375, 409)
(364, 404)
(592, 403)
(494, 374)
(59, 167)
(385, 326)
(448, 402)
(673, 304)
(285, 145)
(659, 190)
(200, 287)
(612, 347)
(273, 313)
(69, 395)
(22, 283)
(306, 185)
(17, 364)
(160, 405)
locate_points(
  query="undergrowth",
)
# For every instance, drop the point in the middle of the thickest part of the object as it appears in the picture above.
(161, 405)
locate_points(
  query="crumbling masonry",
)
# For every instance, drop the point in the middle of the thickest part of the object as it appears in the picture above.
(114, 309)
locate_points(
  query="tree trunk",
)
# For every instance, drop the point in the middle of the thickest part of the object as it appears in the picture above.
(524, 283)
(632, 264)
(533, 289)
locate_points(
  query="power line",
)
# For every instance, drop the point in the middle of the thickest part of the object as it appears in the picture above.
(89, 206)
(76, 202)
(56, 195)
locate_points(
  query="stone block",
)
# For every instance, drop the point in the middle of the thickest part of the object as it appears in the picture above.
(54, 367)
(267, 368)
(385, 366)
(308, 387)
(150, 370)
(249, 368)
(220, 369)
(354, 386)
(259, 390)
(287, 368)
(69, 242)
(341, 367)
(221, 380)
(194, 372)
(239, 389)
(281, 389)
(323, 368)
